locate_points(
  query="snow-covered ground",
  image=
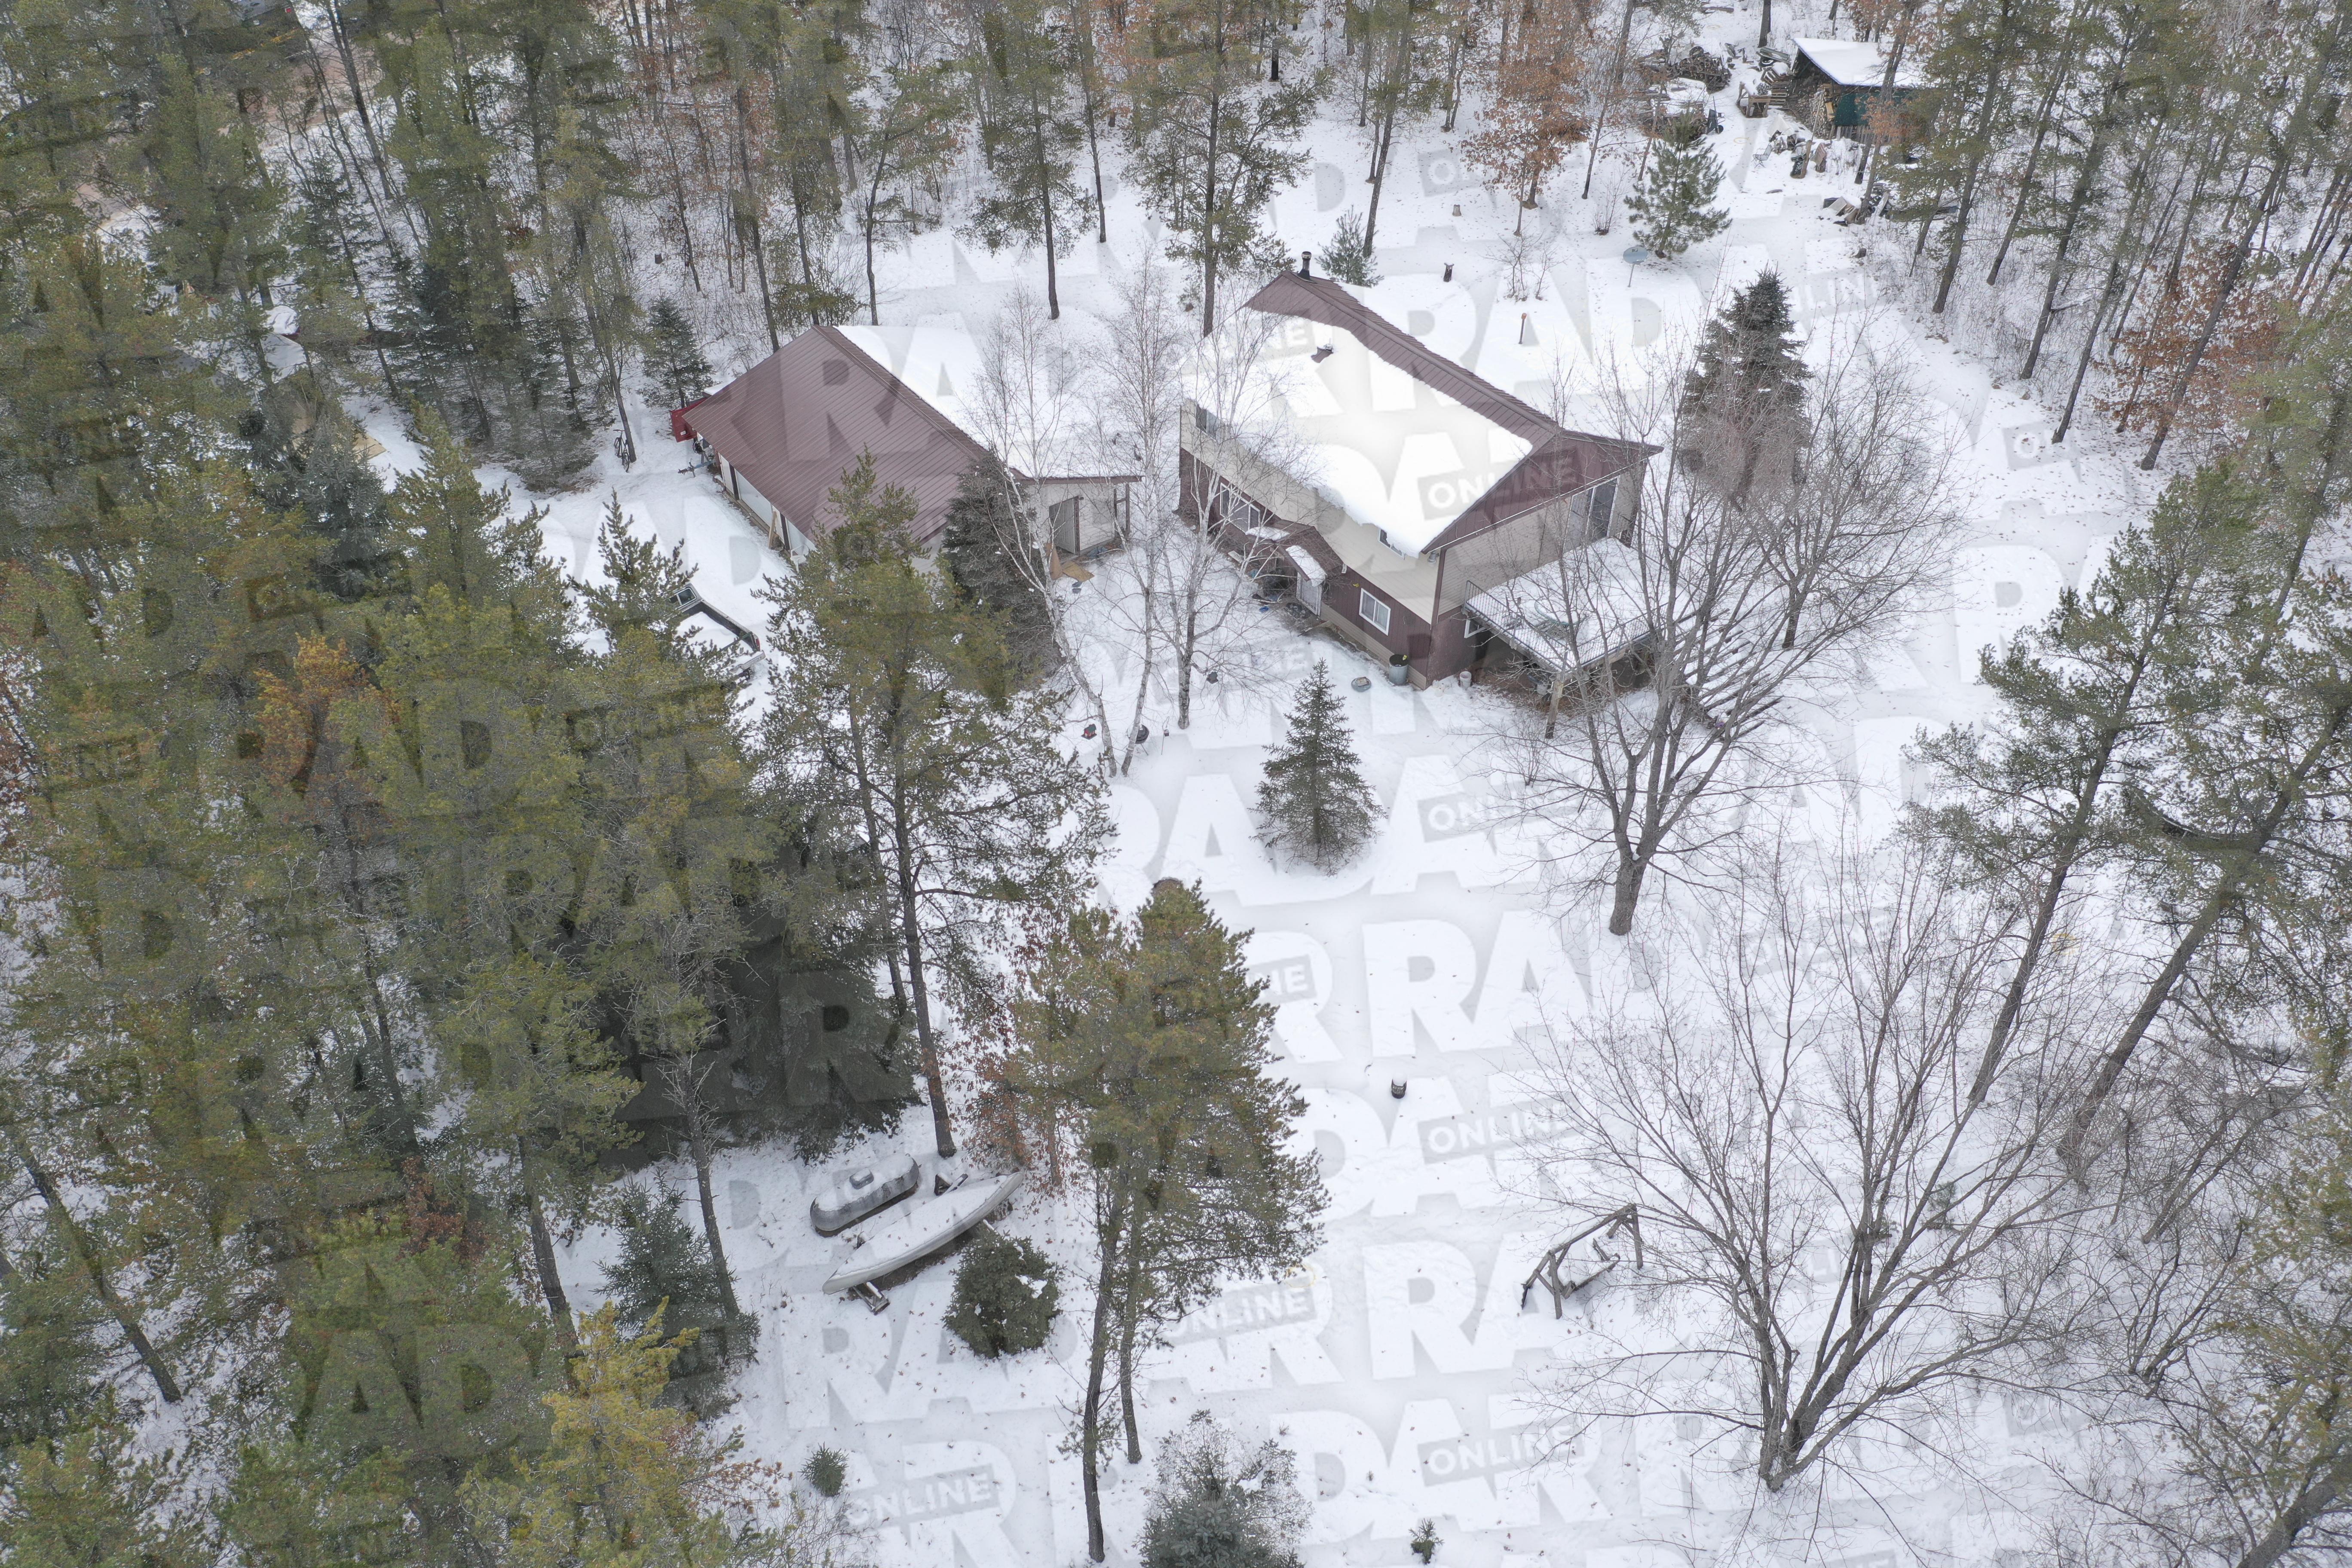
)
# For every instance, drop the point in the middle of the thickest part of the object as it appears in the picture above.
(1394, 1363)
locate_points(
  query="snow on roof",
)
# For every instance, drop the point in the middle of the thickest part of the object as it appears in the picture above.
(940, 365)
(1583, 608)
(1850, 62)
(1391, 451)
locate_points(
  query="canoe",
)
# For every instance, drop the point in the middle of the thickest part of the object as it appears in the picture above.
(862, 1192)
(917, 1233)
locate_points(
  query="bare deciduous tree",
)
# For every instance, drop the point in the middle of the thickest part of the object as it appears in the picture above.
(1139, 398)
(1672, 661)
(1208, 563)
(1027, 407)
(1842, 1237)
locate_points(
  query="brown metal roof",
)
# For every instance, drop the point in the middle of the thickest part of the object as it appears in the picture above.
(1564, 462)
(794, 423)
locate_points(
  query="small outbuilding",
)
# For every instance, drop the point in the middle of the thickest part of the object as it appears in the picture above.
(1834, 85)
(781, 435)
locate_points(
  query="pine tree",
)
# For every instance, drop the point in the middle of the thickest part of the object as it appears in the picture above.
(408, 1369)
(663, 1280)
(1313, 801)
(1749, 354)
(1399, 79)
(480, 753)
(1147, 1045)
(984, 527)
(1674, 207)
(673, 360)
(102, 401)
(533, 1091)
(65, 66)
(1348, 256)
(899, 711)
(666, 908)
(624, 1481)
(53, 1364)
(2183, 743)
(1213, 132)
(306, 459)
(1218, 1501)
(1743, 406)
(332, 252)
(2031, 801)
(175, 952)
(93, 1502)
(2269, 1421)
(1006, 1294)
(219, 232)
(476, 350)
(1028, 136)
(914, 127)
(644, 587)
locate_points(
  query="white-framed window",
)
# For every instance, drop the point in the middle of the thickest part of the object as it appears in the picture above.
(1375, 611)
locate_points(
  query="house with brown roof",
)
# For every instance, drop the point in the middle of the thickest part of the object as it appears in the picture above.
(784, 433)
(1394, 489)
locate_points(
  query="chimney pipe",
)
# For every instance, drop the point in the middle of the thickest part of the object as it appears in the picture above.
(1303, 257)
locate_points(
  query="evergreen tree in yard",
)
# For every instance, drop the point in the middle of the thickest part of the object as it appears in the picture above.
(407, 1366)
(664, 1278)
(673, 356)
(1214, 133)
(1348, 258)
(624, 1481)
(1028, 137)
(984, 527)
(1006, 1293)
(306, 462)
(103, 398)
(173, 948)
(2270, 1435)
(475, 351)
(1314, 801)
(218, 232)
(1675, 207)
(1218, 1503)
(1744, 406)
(1145, 1045)
(900, 704)
(668, 907)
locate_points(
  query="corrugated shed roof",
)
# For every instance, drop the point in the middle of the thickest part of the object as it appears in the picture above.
(794, 423)
(1561, 462)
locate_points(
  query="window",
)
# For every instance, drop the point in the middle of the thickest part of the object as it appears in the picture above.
(1236, 510)
(1375, 611)
(1601, 508)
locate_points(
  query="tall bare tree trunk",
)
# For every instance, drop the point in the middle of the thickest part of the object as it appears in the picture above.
(128, 1321)
(1098, 1353)
(934, 1079)
(543, 1254)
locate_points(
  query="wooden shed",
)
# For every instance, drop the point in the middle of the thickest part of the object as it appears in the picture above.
(1835, 84)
